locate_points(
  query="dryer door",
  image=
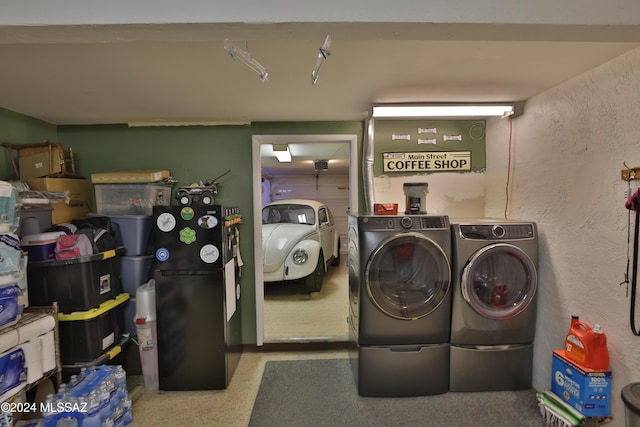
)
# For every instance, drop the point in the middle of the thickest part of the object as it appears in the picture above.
(499, 281)
(408, 276)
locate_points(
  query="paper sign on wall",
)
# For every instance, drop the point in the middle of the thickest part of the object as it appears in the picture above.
(428, 161)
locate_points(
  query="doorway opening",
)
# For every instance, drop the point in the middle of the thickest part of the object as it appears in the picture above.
(286, 297)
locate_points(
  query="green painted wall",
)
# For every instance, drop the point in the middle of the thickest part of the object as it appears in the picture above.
(472, 133)
(191, 154)
(19, 129)
(195, 153)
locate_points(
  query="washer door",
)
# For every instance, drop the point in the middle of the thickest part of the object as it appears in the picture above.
(499, 281)
(408, 276)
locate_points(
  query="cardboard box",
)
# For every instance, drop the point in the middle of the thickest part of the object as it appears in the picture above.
(586, 390)
(143, 175)
(79, 197)
(41, 163)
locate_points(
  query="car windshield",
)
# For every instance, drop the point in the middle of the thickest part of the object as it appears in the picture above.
(289, 213)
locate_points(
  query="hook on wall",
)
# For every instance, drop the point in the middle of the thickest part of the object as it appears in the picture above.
(630, 173)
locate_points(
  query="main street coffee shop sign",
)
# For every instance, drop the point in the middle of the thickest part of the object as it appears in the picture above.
(427, 161)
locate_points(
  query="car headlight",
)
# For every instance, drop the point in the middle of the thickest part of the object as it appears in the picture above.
(300, 256)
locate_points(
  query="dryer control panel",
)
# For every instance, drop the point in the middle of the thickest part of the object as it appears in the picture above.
(405, 222)
(497, 231)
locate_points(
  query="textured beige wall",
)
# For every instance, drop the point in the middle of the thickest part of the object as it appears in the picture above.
(457, 194)
(568, 151)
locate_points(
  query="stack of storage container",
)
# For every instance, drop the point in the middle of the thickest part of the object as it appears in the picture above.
(127, 198)
(27, 337)
(86, 286)
(87, 290)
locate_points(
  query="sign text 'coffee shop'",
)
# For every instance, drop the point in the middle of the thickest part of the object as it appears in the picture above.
(427, 161)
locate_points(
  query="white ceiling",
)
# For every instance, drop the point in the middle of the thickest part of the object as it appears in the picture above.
(181, 74)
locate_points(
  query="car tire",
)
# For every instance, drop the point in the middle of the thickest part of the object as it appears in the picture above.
(336, 260)
(313, 282)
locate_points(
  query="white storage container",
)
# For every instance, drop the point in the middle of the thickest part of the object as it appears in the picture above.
(131, 199)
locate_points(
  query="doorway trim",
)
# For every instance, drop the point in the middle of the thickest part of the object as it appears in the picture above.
(257, 141)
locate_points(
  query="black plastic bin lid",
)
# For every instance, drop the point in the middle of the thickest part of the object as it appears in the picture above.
(631, 397)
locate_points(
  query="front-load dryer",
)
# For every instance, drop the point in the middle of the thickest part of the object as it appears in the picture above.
(400, 303)
(493, 304)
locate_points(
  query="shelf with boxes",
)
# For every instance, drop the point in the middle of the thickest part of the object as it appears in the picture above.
(84, 285)
(95, 292)
(28, 335)
(29, 352)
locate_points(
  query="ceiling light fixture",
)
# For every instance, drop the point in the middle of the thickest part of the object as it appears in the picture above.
(322, 55)
(282, 152)
(442, 110)
(245, 57)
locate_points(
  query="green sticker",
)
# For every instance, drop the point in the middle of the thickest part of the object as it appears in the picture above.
(187, 235)
(187, 213)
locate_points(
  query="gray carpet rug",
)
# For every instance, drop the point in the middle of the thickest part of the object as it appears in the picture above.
(323, 393)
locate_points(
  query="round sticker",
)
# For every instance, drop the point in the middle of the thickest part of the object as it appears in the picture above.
(162, 254)
(207, 221)
(209, 254)
(166, 222)
(187, 213)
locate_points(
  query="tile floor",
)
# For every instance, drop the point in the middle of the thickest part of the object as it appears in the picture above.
(225, 408)
(291, 315)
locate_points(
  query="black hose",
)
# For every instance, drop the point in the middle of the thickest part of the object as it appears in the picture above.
(634, 278)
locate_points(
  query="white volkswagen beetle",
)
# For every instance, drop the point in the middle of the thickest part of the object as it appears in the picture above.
(299, 239)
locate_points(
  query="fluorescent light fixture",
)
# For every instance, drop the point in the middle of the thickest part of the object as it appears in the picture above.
(282, 153)
(322, 55)
(245, 57)
(443, 110)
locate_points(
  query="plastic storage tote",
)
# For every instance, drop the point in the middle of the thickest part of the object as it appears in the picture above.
(134, 233)
(136, 270)
(85, 335)
(77, 284)
(131, 199)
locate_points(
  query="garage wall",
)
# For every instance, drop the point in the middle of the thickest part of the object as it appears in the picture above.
(191, 154)
(19, 129)
(568, 151)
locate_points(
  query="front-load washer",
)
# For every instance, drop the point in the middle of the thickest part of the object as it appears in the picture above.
(493, 313)
(400, 303)
(400, 279)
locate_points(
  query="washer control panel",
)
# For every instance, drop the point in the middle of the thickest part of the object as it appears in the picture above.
(404, 222)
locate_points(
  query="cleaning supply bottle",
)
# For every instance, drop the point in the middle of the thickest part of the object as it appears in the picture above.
(586, 346)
